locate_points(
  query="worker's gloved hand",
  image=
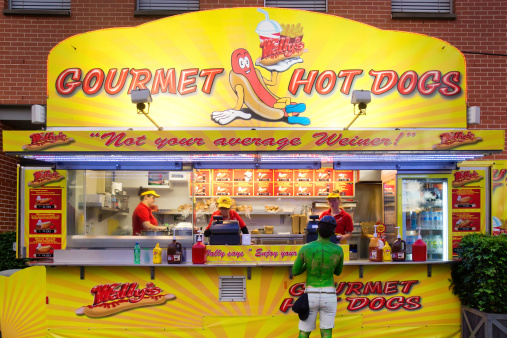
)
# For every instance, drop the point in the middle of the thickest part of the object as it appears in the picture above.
(229, 115)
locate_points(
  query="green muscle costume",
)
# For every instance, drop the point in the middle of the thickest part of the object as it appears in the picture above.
(320, 259)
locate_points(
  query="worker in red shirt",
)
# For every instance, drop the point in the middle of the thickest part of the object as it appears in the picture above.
(224, 210)
(344, 224)
(142, 218)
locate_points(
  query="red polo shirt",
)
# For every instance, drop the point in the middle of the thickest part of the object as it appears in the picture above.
(141, 215)
(233, 216)
(343, 221)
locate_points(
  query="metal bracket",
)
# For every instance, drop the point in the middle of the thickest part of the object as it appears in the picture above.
(429, 270)
(291, 276)
(361, 271)
(152, 272)
(81, 272)
(249, 273)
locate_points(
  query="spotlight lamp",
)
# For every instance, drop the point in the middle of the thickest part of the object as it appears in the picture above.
(141, 97)
(361, 98)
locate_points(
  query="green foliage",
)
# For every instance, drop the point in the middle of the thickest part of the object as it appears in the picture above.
(479, 279)
(7, 255)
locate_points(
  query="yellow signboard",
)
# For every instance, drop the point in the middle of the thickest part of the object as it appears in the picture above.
(252, 140)
(255, 67)
(45, 213)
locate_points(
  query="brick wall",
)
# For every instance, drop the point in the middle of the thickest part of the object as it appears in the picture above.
(25, 42)
(8, 187)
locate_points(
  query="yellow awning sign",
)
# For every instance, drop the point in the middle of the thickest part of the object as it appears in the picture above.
(248, 67)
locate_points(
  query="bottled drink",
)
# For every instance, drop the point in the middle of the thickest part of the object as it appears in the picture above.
(137, 254)
(435, 220)
(424, 219)
(440, 219)
(410, 242)
(413, 220)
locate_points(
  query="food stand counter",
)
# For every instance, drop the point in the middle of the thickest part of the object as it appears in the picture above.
(242, 298)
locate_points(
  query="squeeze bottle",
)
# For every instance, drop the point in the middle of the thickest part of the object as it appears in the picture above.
(374, 248)
(398, 251)
(199, 251)
(386, 252)
(419, 249)
(174, 255)
(137, 254)
(157, 254)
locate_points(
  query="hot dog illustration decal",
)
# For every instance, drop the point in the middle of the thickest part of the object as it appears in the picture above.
(278, 55)
(110, 299)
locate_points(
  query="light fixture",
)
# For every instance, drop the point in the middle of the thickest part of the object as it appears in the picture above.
(141, 97)
(361, 98)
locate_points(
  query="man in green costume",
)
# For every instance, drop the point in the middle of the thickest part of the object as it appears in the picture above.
(320, 259)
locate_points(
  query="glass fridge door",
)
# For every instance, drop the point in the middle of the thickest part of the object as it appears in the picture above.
(424, 206)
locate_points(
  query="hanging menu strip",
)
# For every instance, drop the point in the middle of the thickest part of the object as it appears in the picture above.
(273, 182)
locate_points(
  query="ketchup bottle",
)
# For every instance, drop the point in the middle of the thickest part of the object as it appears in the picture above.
(199, 251)
(419, 249)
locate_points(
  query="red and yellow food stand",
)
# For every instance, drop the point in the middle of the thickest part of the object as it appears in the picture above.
(242, 102)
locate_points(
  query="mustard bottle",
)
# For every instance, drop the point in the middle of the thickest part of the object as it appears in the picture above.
(157, 255)
(386, 252)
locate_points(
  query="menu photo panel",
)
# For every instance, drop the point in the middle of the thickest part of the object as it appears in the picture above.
(283, 189)
(264, 189)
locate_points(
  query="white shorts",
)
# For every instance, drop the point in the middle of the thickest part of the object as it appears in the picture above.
(323, 301)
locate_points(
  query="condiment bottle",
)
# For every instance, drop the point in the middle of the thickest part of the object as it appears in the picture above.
(199, 251)
(137, 254)
(157, 254)
(374, 248)
(174, 255)
(386, 252)
(419, 249)
(399, 249)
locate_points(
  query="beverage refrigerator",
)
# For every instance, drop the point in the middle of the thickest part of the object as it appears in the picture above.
(423, 204)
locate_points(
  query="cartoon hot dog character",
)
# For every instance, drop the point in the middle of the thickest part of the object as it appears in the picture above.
(109, 308)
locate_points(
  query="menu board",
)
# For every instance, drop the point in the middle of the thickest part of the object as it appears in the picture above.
(467, 205)
(45, 212)
(273, 182)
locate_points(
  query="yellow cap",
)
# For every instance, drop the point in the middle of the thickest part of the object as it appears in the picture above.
(150, 192)
(333, 195)
(224, 202)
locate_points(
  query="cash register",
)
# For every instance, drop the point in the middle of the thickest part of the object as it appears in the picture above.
(224, 232)
(311, 230)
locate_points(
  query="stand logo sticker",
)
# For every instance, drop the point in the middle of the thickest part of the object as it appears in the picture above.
(46, 140)
(455, 139)
(110, 299)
